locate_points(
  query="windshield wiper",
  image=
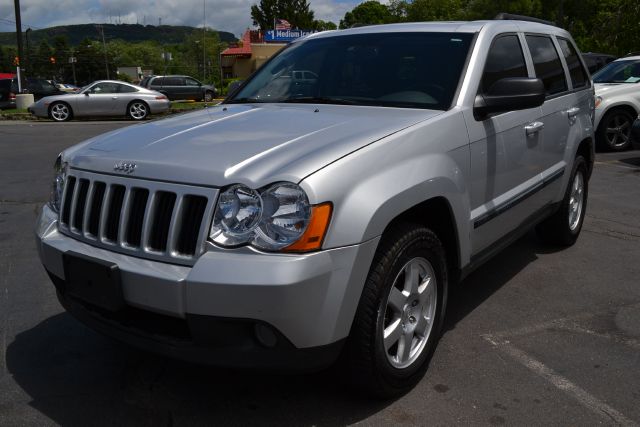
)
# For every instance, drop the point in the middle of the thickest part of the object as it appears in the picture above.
(319, 100)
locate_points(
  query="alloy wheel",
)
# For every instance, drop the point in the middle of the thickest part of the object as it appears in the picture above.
(576, 200)
(410, 312)
(618, 131)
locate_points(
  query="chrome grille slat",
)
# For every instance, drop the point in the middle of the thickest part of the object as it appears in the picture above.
(87, 209)
(106, 204)
(124, 218)
(149, 213)
(150, 216)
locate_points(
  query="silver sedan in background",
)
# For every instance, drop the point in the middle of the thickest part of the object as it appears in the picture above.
(102, 98)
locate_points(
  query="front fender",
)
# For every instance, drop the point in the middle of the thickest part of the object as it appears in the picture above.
(374, 185)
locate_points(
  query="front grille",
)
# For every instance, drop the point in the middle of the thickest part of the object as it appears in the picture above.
(150, 219)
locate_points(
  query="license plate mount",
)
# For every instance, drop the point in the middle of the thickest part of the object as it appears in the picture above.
(93, 280)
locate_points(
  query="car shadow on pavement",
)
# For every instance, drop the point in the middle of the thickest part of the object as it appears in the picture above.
(491, 276)
(74, 376)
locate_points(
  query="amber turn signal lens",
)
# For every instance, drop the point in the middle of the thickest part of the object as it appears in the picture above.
(314, 235)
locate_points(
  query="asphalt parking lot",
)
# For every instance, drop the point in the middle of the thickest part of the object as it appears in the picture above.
(537, 336)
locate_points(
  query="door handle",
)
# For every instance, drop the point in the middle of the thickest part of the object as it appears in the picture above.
(114, 97)
(572, 112)
(534, 127)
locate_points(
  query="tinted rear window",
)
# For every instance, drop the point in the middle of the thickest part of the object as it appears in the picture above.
(547, 64)
(576, 70)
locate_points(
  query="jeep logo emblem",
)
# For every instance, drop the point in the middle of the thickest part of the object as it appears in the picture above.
(125, 167)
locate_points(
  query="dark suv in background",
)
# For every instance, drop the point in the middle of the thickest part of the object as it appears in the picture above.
(38, 87)
(180, 87)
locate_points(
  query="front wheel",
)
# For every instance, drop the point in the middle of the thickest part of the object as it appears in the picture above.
(208, 96)
(138, 110)
(400, 313)
(614, 131)
(60, 112)
(563, 227)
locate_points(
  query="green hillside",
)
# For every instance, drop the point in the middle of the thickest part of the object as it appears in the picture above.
(167, 34)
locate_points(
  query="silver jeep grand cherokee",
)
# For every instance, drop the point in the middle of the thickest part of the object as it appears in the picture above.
(305, 219)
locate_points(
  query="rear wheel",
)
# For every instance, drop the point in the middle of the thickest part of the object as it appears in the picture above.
(400, 313)
(614, 131)
(60, 112)
(563, 228)
(138, 110)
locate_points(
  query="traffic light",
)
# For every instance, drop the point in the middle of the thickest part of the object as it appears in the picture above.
(16, 61)
(52, 60)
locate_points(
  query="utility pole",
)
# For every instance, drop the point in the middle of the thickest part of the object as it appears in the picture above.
(104, 46)
(204, 35)
(21, 79)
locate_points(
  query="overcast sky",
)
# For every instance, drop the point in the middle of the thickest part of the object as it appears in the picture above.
(226, 15)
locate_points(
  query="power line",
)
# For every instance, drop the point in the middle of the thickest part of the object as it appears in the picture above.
(9, 21)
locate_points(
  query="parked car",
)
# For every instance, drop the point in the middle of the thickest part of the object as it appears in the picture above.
(617, 102)
(66, 87)
(287, 227)
(38, 87)
(182, 87)
(596, 61)
(102, 98)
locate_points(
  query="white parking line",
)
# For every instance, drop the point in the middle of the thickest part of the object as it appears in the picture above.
(560, 382)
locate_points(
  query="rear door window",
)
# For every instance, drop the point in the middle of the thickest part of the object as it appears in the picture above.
(505, 60)
(576, 70)
(547, 64)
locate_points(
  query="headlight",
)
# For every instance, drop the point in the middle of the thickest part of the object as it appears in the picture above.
(57, 186)
(278, 217)
(237, 215)
(286, 216)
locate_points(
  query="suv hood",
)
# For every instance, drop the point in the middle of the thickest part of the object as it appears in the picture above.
(253, 144)
(609, 89)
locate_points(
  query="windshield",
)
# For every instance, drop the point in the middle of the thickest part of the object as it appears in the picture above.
(619, 72)
(412, 70)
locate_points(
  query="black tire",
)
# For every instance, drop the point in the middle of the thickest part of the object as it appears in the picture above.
(559, 229)
(614, 130)
(60, 111)
(366, 360)
(209, 96)
(137, 110)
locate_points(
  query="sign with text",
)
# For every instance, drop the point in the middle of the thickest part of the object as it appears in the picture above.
(285, 35)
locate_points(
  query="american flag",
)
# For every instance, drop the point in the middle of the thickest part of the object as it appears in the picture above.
(282, 24)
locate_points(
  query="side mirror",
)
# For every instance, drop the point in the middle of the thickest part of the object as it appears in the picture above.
(509, 94)
(86, 93)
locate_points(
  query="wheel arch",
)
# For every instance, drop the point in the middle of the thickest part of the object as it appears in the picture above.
(630, 108)
(436, 214)
(586, 148)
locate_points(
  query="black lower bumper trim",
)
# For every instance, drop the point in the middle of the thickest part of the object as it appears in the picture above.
(208, 340)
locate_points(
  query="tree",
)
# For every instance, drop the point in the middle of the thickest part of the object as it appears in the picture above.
(435, 10)
(367, 13)
(297, 12)
(321, 25)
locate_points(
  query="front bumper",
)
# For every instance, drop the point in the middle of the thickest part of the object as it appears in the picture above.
(307, 301)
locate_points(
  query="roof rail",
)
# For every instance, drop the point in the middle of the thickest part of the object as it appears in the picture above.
(511, 16)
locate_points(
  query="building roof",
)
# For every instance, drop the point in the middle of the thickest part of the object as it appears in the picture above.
(243, 50)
